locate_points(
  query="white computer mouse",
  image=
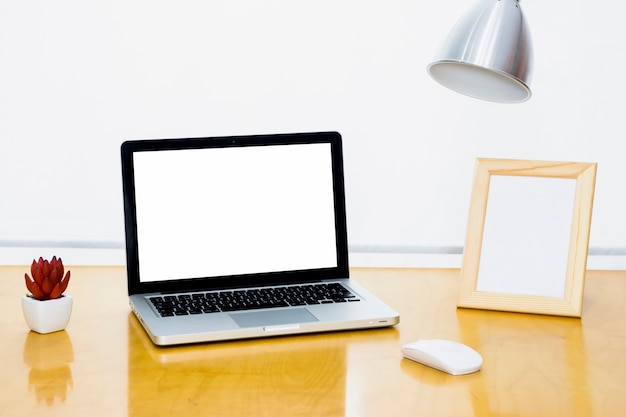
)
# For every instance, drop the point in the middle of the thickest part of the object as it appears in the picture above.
(445, 355)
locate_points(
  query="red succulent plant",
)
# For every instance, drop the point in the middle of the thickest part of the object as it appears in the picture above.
(48, 281)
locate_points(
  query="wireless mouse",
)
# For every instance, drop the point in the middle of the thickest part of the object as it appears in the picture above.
(445, 355)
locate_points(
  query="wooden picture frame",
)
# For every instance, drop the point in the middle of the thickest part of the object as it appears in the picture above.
(528, 236)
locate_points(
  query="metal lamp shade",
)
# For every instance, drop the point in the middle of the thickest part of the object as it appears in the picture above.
(488, 55)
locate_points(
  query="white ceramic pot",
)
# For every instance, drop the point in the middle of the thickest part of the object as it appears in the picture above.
(47, 316)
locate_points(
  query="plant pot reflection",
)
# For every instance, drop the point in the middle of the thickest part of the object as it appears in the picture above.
(49, 358)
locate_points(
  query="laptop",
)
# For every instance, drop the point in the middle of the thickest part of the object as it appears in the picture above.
(240, 237)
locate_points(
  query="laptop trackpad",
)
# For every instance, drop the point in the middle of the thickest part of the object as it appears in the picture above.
(273, 317)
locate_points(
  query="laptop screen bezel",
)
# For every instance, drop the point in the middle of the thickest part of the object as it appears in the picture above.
(136, 286)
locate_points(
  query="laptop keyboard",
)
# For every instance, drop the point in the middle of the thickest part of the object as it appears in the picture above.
(236, 300)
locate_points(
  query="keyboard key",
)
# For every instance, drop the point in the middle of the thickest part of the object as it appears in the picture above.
(258, 298)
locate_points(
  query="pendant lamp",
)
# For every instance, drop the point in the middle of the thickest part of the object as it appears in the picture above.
(488, 54)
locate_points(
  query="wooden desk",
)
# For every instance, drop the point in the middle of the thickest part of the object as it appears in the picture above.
(104, 365)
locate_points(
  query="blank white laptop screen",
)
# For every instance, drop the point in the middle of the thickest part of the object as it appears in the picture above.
(236, 210)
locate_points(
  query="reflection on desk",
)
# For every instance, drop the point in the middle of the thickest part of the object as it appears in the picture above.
(299, 376)
(50, 376)
(103, 364)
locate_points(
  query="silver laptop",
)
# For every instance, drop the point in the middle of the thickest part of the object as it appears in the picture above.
(240, 237)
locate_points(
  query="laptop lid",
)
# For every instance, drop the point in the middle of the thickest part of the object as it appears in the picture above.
(237, 211)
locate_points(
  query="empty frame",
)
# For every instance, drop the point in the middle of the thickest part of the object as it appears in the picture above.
(528, 236)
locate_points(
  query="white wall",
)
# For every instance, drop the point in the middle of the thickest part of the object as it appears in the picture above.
(77, 78)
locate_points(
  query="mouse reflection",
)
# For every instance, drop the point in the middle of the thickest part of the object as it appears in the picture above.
(48, 357)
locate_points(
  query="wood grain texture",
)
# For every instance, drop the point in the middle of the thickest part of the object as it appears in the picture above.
(103, 364)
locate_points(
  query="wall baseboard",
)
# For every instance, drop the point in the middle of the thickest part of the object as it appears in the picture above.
(408, 256)
(406, 260)
(391, 256)
(71, 256)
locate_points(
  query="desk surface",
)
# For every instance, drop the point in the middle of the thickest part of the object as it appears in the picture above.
(104, 365)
